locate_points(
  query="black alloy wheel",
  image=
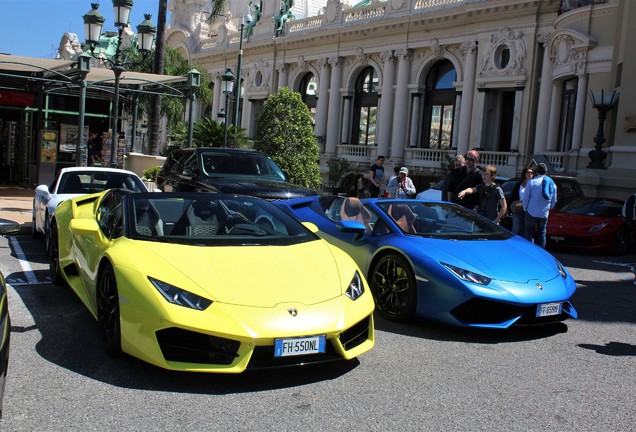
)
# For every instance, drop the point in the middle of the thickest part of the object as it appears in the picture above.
(393, 287)
(108, 312)
(622, 241)
(54, 256)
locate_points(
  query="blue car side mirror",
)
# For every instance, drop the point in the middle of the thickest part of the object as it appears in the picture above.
(351, 226)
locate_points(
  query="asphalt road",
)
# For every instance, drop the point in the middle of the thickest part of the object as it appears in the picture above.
(577, 376)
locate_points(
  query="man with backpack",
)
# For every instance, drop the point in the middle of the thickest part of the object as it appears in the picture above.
(492, 201)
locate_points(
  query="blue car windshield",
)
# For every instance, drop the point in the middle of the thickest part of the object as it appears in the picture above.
(211, 219)
(441, 220)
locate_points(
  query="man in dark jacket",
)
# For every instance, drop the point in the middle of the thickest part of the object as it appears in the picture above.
(464, 177)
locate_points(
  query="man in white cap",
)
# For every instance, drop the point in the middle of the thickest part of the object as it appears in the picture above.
(401, 186)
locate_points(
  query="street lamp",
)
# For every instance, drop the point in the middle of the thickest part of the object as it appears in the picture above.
(247, 18)
(194, 81)
(602, 103)
(227, 86)
(93, 23)
(84, 67)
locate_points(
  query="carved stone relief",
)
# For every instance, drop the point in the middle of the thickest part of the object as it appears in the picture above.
(568, 54)
(504, 54)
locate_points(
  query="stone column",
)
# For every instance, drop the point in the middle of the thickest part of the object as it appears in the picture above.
(545, 95)
(218, 96)
(246, 115)
(456, 116)
(323, 98)
(468, 93)
(283, 75)
(553, 126)
(346, 118)
(476, 130)
(400, 120)
(333, 120)
(385, 113)
(579, 113)
(516, 121)
(416, 120)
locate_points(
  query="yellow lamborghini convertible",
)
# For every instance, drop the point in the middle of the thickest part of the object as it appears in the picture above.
(209, 282)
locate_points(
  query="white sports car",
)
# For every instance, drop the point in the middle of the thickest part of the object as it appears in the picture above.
(75, 181)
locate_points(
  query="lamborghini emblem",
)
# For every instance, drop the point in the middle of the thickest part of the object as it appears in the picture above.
(292, 311)
(539, 286)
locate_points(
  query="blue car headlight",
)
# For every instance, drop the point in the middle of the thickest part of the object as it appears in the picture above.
(562, 271)
(467, 275)
(355, 288)
(180, 296)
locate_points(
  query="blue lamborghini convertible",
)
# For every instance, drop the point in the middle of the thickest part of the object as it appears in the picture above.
(441, 261)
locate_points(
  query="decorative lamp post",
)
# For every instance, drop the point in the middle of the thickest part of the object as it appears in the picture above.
(247, 18)
(194, 82)
(603, 103)
(227, 86)
(146, 31)
(84, 67)
(93, 23)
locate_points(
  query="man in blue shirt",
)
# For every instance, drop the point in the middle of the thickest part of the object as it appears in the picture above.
(539, 198)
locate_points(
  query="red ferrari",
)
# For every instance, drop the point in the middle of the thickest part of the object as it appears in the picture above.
(591, 224)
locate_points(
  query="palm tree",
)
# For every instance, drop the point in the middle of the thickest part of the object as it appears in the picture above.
(154, 124)
(218, 7)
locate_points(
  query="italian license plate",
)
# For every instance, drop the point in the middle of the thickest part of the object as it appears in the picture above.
(549, 309)
(300, 346)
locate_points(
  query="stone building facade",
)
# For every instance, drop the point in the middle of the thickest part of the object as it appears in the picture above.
(420, 80)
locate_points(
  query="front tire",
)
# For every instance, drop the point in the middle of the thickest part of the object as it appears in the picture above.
(108, 312)
(622, 241)
(393, 286)
(54, 256)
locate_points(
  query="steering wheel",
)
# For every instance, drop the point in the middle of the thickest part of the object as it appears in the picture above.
(237, 225)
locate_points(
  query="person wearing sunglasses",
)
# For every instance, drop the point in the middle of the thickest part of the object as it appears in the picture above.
(463, 178)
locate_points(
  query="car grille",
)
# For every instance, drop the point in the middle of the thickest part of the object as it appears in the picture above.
(355, 335)
(263, 356)
(481, 311)
(190, 347)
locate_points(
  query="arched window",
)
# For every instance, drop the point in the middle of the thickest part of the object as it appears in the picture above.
(440, 106)
(309, 92)
(365, 108)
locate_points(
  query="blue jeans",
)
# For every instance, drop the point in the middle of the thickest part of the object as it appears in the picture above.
(535, 229)
(519, 223)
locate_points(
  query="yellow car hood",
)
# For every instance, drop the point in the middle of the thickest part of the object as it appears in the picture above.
(258, 276)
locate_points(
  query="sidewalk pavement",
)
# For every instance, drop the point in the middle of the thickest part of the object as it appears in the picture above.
(16, 204)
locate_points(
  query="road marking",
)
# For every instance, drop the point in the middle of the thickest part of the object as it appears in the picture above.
(24, 263)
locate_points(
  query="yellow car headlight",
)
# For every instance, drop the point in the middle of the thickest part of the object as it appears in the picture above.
(356, 287)
(180, 296)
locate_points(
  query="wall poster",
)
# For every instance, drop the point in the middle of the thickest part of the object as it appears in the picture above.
(48, 146)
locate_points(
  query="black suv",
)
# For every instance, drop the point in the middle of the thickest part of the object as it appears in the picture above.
(234, 171)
